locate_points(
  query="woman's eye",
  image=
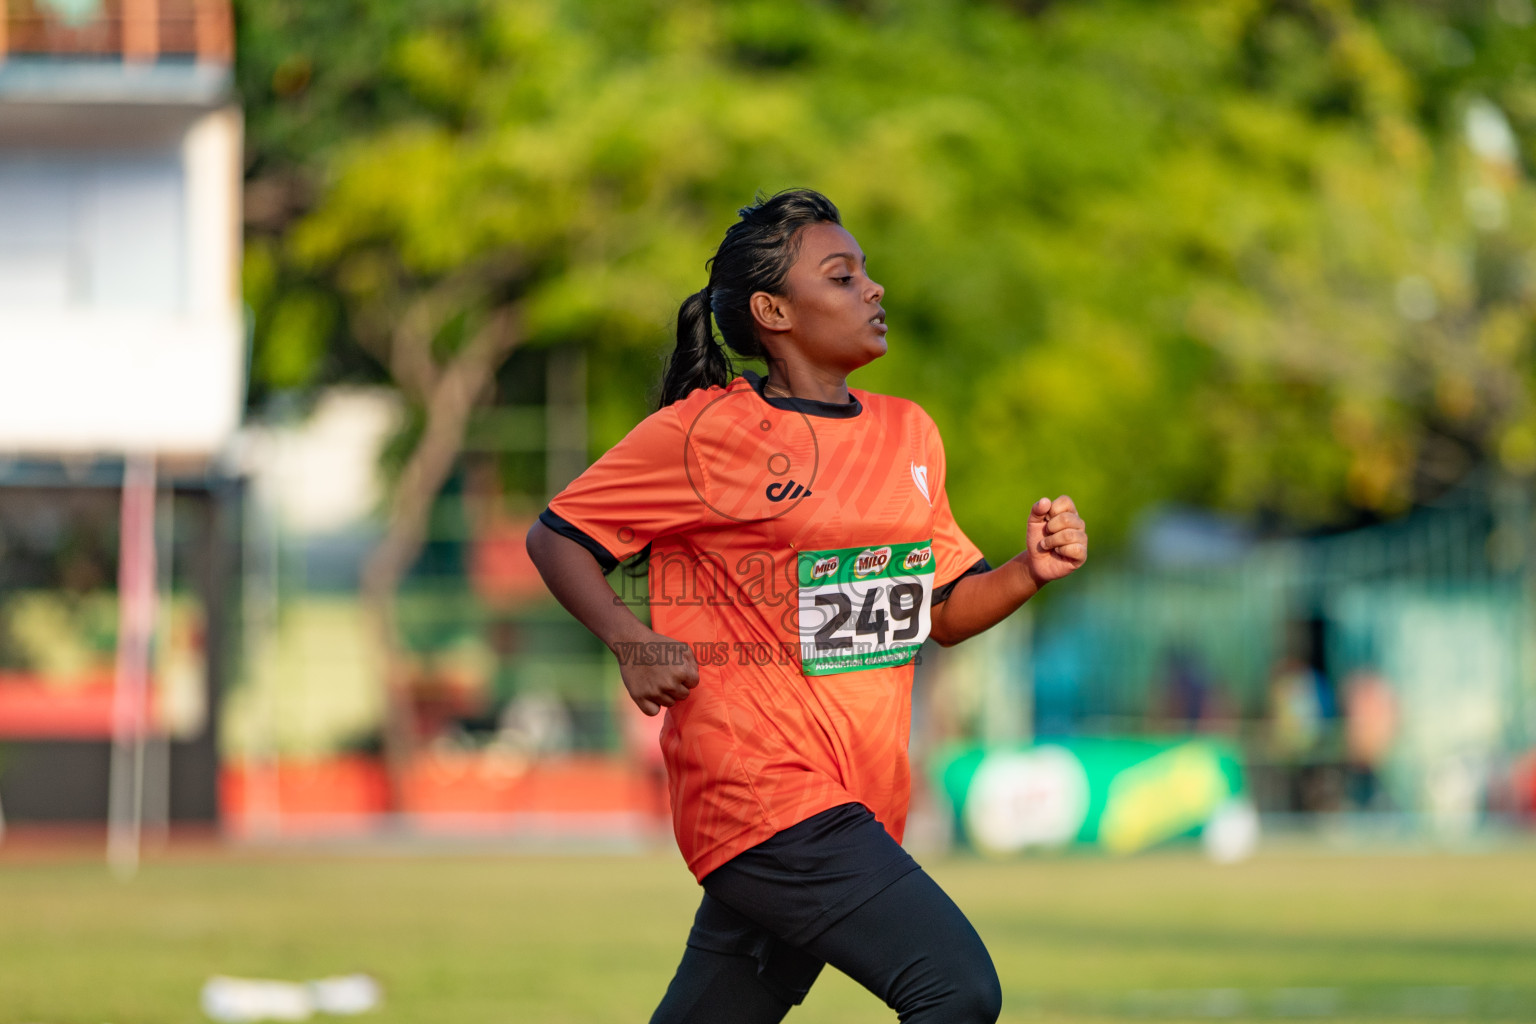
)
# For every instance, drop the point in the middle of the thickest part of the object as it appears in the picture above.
(843, 280)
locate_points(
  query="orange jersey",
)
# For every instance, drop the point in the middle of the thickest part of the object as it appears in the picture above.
(799, 547)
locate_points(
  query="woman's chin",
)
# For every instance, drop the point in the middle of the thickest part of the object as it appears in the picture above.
(851, 358)
(874, 350)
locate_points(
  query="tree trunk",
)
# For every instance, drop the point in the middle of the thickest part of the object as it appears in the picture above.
(449, 397)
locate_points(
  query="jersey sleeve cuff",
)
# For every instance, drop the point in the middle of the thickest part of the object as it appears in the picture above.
(565, 528)
(942, 593)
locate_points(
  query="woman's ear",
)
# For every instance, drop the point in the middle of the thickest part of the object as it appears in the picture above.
(770, 312)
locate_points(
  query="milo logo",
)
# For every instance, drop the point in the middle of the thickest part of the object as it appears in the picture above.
(918, 557)
(824, 567)
(871, 561)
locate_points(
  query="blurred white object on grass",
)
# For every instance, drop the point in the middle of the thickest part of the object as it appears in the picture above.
(247, 1000)
(346, 994)
(1232, 833)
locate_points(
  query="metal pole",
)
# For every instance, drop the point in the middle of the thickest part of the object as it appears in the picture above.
(130, 703)
(156, 797)
(565, 410)
(261, 564)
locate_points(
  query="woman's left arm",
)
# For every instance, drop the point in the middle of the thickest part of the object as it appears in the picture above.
(1057, 544)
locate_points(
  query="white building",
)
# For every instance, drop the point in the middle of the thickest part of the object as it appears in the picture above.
(120, 317)
(122, 343)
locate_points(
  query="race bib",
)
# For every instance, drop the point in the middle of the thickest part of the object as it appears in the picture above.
(864, 607)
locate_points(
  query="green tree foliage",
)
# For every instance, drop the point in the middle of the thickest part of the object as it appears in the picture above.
(1272, 257)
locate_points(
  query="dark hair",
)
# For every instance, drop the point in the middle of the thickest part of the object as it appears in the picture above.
(755, 256)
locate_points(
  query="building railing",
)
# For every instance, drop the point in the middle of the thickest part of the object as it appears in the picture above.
(137, 31)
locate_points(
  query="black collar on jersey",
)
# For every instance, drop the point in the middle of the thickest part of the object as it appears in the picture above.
(809, 406)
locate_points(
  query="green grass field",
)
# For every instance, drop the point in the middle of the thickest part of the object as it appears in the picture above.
(482, 939)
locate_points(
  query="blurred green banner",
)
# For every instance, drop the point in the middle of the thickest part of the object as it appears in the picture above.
(1121, 795)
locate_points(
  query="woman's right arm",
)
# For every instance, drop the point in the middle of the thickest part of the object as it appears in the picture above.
(657, 671)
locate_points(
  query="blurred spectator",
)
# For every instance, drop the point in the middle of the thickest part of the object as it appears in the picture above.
(1523, 787)
(1061, 662)
(1186, 688)
(1300, 703)
(1295, 710)
(1456, 785)
(439, 703)
(1512, 789)
(1370, 726)
(450, 690)
(536, 723)
(1190, 698)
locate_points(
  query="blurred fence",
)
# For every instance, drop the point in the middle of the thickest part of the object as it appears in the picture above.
(1386, 669)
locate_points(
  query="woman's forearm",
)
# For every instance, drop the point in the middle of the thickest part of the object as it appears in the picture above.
(979, 602)
(573, 576)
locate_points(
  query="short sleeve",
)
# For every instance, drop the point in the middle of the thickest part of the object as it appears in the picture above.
(637, 491)
(955, 556)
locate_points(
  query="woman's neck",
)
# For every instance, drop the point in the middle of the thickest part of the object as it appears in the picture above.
(799, 380)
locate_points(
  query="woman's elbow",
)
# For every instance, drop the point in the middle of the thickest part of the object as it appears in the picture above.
(940, 633)
(537, 543)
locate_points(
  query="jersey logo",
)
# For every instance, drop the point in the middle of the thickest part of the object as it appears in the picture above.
(870, 561)
(824, 567)
(917, 558)
(920, 477)
(786, 489)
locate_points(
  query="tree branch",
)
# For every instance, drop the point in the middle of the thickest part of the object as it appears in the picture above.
(455, 389)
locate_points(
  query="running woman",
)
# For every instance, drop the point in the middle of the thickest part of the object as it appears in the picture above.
(801, 548)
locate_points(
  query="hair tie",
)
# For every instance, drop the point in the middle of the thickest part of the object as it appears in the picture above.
(708, 291)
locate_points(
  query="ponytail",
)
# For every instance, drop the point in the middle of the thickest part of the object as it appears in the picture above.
(755, 256)
(699, 361)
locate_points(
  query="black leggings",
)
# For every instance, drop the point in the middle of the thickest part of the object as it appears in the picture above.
(909, 944)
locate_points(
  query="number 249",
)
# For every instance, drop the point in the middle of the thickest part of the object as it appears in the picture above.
(906, 600)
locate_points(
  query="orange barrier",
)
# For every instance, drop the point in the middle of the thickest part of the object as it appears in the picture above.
(468, 791)
(31, 708)
(345, 786)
